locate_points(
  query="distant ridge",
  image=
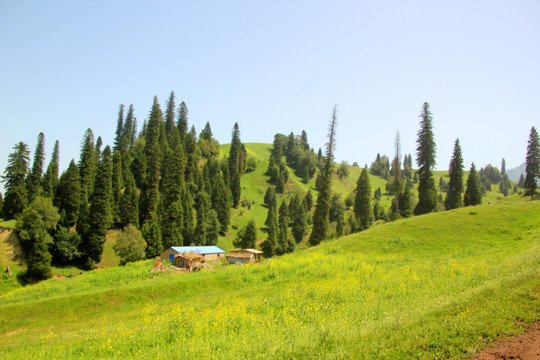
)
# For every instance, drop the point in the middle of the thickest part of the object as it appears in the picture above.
(516, 172)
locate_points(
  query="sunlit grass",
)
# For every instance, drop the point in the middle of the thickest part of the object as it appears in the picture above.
(434, 286)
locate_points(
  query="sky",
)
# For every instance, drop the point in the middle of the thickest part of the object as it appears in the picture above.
(276, 67)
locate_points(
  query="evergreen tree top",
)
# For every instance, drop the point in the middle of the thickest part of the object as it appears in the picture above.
(425, 150)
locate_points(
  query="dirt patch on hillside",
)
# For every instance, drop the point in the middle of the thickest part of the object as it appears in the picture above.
(525, 347)
(10, 248)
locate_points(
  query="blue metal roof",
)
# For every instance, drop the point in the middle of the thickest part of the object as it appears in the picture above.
(203, 250)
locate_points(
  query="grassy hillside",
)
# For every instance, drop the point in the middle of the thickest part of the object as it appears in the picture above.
(436, 286)
(254, 185)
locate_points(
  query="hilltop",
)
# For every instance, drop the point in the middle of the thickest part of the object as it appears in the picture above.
(441, 285)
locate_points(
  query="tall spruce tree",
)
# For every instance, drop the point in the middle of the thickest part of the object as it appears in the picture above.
(100, 211)
(15, 199)
(50, 178)
(129, 204)
(473, 194)
(247, 236)
(182, 123)
(454, 197)
(320, 217)
(222, 202)
(87, 163)
(397, 185)
(170, 126)
(425, 158)
(270, 245)
(33, 185)
(173, 187)
(188, 229)
(117, 186)
(152, 235)
(202, 207)
(362, 201)
(119, 128)
(299, 219)
(532, 164)
(149, 199)
(284, 245)
(504, 185)
(68, 195)
(405, 209)
(235, 166)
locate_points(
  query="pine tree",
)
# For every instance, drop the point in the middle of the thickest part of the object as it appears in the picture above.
(504, 185)
(405, 209)
(337, 215)
(129, 204)
(50, 178)
(119, 128)
(425, 158)
(188, 230)
(202, 207)
(68, 194)
(15, 199)
(362, 201)
(521, 182)
(173, 187)
(117, 186)
(283, 229)
(473, 195)
(182, 123)
(532, 164)
(129, 131)
(299, 220)
(454, 197)
(87, 163)
(213, 228)
(397, 185)
(235, 166)
(99, 215)
(270, 245)
(170, 126)
(33, 180)
(247, 236)
(222, 203)
(270, 197)
(320, 218)
(150, 198)
(152, 235)
(309, 200)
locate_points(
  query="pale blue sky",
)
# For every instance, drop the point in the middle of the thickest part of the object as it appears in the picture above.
(277, 66)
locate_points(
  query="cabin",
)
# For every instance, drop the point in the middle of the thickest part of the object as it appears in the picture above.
(208, 253)
(243, 256)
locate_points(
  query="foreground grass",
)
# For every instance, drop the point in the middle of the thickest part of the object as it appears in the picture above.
(435, 286)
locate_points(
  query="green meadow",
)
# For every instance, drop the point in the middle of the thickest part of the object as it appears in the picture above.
(435, 286)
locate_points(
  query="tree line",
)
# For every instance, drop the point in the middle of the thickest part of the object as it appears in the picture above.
(164, 181)
(165, 185)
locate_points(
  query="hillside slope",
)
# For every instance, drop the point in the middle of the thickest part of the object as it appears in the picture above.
(254, 185)
(436, 286)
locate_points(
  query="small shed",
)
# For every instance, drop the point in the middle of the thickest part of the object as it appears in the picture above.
(187, 260)
(208, 253)
(243, 256)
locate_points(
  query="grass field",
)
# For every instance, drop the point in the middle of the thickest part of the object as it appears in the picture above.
(436, 286)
